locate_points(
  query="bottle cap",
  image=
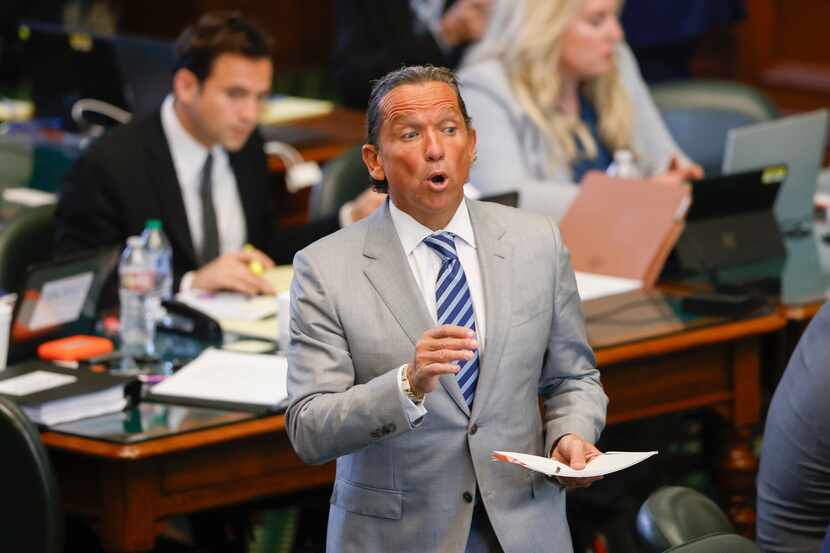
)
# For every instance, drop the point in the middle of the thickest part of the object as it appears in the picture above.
(154, 224)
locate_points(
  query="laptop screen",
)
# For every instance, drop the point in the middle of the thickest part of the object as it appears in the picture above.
(58, 298)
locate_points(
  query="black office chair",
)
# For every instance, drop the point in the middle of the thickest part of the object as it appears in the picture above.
(673, 515)
(344, 178)
(33, 517)
(27, 239)
(699, 113)
(718, 543)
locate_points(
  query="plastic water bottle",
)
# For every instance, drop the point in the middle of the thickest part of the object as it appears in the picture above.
(138, 306)
(161, 257)
(623, 166)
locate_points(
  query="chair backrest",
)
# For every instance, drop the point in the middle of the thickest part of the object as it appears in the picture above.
(16, 161)
(27, 239)
(344, 178)
(673, 515)
(699, 113)
(718, 543)
(33, 516)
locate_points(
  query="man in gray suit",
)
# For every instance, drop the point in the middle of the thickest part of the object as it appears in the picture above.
(421, 339)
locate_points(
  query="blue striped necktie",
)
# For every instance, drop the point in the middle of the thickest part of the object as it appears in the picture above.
(454, 304)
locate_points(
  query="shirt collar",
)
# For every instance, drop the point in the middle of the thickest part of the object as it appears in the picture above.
(188, 153)
(412, 233)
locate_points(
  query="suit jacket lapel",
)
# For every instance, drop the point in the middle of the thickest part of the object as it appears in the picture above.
(163, 176)
(494, 259)
(388, 270)
(247, 196)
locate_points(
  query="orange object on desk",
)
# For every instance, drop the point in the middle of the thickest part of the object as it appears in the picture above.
(74, 348)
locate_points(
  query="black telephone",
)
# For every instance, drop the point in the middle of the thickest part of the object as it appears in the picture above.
(184, 319)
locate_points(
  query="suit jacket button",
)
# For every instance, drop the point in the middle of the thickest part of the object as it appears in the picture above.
(468, 497)
(473, 429)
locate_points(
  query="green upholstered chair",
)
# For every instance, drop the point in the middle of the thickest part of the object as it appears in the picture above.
(344, 178)
(718, 543)
(16, 162)
(25, 240)
(699, 113)
(673, 515)
(33, 518)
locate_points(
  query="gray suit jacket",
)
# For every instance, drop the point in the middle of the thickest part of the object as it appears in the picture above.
(356, 314)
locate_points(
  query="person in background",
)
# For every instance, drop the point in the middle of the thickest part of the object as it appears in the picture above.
(198, 165)
(421, 341)
(555, 92)
(374, 38)
(794, 474)
(665, 36)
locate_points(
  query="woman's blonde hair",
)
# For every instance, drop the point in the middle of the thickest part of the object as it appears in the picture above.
(537, 82)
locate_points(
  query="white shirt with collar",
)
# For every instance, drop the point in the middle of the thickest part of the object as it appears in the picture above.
(189, 157)
(425, 265)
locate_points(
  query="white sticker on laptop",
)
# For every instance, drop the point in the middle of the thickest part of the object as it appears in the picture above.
(61, 301)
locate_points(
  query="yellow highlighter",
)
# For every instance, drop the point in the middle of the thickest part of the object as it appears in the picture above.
(255, 266)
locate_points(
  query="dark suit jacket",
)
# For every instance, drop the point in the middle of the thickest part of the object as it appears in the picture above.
(128, 177)
(375, 37)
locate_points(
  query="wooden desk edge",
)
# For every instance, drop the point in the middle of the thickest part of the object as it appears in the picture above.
(676, 342)
(164, 445)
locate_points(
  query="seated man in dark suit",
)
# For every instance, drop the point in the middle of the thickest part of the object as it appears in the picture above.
(198, 165)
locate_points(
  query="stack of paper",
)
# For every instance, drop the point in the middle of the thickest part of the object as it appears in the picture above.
(253, 317)
(280, 109)
(228, 379)
(51, 395)
(592, 285)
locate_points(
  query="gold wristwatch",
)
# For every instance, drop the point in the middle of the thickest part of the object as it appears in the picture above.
(414, 396)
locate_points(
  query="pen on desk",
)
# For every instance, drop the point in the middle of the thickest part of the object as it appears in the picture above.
(255, 265)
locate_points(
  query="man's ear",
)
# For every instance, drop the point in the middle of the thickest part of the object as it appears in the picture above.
(472, 145)
(371, 157)
(185, 85)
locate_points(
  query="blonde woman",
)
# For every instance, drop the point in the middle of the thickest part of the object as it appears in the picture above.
(553, 92)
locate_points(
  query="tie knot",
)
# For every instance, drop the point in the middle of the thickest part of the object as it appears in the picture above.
(442, 243)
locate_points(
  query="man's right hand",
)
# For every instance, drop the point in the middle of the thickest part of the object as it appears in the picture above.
(466, 21)
(435, 354)
(232, 271)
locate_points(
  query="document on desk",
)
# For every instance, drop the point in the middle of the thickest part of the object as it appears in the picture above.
(592, 285)
(607, 463)
(281, 109)
(228, 379)
(230, 305)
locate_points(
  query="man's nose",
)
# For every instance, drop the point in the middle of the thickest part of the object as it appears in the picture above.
(249, 110)
(434, 148)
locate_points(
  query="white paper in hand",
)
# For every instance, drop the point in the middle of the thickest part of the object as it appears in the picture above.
(608, 462)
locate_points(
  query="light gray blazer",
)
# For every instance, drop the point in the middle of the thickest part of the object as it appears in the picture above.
(356, 314)
(513, 154)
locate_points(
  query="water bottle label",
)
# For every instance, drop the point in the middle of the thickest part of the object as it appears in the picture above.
(137, 282)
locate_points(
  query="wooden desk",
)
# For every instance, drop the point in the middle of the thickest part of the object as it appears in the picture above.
(715, 367)
(127, 491)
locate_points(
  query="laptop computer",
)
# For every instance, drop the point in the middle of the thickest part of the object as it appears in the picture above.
(798, 142)
(510, 199)
(731, 221)
(58, 298)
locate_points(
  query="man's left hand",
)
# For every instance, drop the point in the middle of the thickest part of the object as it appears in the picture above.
(576, 453)
(366, 203)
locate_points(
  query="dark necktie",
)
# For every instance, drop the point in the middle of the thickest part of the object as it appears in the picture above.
(210, 232)
(454, 304)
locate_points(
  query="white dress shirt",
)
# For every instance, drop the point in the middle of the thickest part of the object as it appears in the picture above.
(425, 264)
(189, 157)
